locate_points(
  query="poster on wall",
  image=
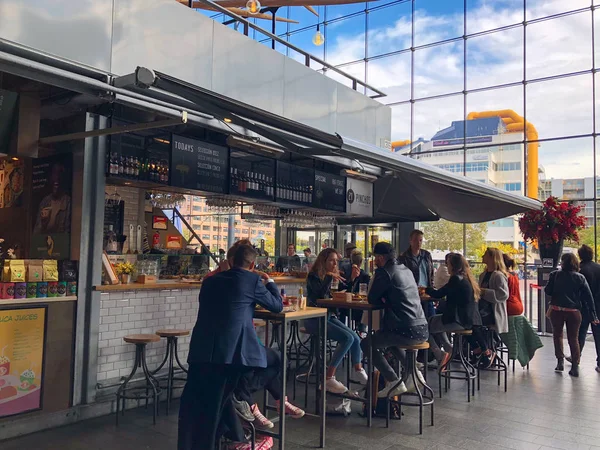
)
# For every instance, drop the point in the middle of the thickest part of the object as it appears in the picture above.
(12, 177)
(22, 338)
(51, 205)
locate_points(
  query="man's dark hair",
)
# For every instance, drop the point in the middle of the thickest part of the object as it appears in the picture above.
(569, 262)
(586, 254)
(386, 250)
(307, 250)
(291, 245)
(414, 233)
(244, 256)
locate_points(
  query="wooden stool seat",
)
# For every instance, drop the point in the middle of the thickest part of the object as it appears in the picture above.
(463, 332)
(303, 330)
(141, 338)
(172, 333)
(422, 346)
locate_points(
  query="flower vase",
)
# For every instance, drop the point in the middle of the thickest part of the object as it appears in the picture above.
(551, 251)
(125, 278)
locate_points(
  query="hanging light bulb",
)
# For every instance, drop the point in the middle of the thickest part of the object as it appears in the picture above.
(318, 39)
(253, 6)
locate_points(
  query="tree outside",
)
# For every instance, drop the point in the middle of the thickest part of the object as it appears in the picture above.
(444, 235)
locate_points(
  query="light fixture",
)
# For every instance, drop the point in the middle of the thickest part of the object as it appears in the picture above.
(318, 39)
(227, 120)
(15, 159)
(253, 6)
(162, 141)
(253, 146)
(358, 175)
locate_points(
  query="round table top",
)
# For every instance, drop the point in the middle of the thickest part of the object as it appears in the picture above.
(141, 338)
(421, 346)
(172, 333)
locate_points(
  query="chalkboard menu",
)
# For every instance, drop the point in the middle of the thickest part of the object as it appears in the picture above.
(251, 175)
(199, 165)
(330, 192)
(294, 184)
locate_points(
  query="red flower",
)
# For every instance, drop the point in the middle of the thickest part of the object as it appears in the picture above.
(554, 222)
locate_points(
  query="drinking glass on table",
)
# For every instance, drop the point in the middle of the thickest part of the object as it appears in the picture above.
(362, 289)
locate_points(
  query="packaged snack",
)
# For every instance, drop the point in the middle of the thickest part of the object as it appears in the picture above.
(42, 289)
(67, 270)
(7, 291)
(72, 288)
(61, 290)
(31, 290)
(50, 270)
(20, 290)
(17, 270)
(35, 271)
(52, 288)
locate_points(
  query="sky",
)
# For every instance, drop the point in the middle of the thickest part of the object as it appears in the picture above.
(557, 108)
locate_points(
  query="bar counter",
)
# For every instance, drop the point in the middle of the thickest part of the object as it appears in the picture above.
(168, 284)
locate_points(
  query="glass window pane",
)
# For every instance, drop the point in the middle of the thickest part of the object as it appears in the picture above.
(357, 70)
(542, 8)
(303, 39)
(439, 70)
(333, 12)
(392, 75)
(483, 15)
(305, 18)
(495, 59)
(389, 28)
(438, 21)
(569, 159)
(559, 46)
(561, 107)
(345, 40)
(433, 116)
(401, 127)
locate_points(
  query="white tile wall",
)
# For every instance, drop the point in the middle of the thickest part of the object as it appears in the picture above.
(141, 312)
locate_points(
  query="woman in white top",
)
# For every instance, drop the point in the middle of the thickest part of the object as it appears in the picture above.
(441, 277)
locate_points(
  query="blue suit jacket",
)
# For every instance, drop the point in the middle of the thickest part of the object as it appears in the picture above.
(224, 332)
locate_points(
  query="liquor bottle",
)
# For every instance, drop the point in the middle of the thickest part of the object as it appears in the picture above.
(114, 165)
(233, 175)
(163, 171)
(110, 241)
(250, 181)
(121, 165)
(136, 168)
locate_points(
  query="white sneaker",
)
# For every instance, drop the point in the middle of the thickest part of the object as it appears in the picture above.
(360, 376)
(421, 378)
(420, 365)
(387, 391)
(334, 386)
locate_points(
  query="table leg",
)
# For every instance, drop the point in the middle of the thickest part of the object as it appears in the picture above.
(264, 390)
(323, 376)
(283, 350)
(371, 372)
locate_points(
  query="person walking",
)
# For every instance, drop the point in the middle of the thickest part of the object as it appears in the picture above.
(570, 295)
(591, 271)
(514, 304)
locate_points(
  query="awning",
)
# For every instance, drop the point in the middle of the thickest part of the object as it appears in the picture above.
(413, 192)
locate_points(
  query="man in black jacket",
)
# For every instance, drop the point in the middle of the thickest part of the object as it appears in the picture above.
(404, 321)
(420, 264)
(591, 271)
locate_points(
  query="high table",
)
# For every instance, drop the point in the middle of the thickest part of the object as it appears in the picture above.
(362, 306)
(284, 318)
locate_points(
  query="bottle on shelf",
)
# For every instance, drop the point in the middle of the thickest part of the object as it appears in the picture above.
(233, 174)
(136, 167)
(121, 168)
(110, 241)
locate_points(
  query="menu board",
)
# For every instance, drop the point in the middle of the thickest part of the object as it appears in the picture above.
(330, 192)
(251, 175)
(295, 184)
(22, 334)
(199, 165)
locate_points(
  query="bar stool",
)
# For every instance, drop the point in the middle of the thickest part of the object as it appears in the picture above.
(411, 371)
(133, 393)
(498, 365)
(171, 356)
(467, 373)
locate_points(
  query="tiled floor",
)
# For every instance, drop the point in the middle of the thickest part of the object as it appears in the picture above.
(542, 410)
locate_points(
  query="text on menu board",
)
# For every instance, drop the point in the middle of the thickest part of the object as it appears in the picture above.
(330, 192)
(199, 165)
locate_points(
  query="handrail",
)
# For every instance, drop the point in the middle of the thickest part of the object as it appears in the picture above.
(307, 56)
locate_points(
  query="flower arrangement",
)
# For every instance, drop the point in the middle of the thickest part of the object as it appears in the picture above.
(555, 222)
(124, 268)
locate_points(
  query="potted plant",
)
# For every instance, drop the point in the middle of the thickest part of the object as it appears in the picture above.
(551, 225)
(124, 270)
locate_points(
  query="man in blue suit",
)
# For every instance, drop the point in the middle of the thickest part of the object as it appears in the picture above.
(224, 347)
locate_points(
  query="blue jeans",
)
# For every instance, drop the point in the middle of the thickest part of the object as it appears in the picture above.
(347, 339)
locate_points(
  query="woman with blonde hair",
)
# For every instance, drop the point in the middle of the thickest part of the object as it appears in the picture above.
(318, 286)
(461, 293)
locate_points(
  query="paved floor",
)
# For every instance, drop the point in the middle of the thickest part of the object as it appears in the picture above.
(542, 410)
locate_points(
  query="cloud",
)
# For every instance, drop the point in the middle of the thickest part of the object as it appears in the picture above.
(557, 108)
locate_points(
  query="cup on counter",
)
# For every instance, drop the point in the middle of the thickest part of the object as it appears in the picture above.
(362, 289)
(294, 303)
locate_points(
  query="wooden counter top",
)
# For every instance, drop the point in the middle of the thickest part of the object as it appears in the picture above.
(27, 301)
(289, 280)
(308, 313)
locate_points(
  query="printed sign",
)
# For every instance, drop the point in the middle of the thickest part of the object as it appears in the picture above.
(22, 334)
(359, 197)
(173, 241)
(548, 263)
(159, 223)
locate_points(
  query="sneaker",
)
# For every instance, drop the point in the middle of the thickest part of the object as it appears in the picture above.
(291, 410)
(261, 421)
(421, 378)
(420, 365)
(433, 365)
(560, 365)
(390, 391)
(569, 359)
(444, 362)
(242, 409)
(574, 372)
(334, 386)
(487, 360)
(360, 376)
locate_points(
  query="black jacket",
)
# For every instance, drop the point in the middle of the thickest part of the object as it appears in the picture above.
(411, 262)
(591, 271)
(394, 287)
(570, 290)
(460, 301)
(317, 289)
